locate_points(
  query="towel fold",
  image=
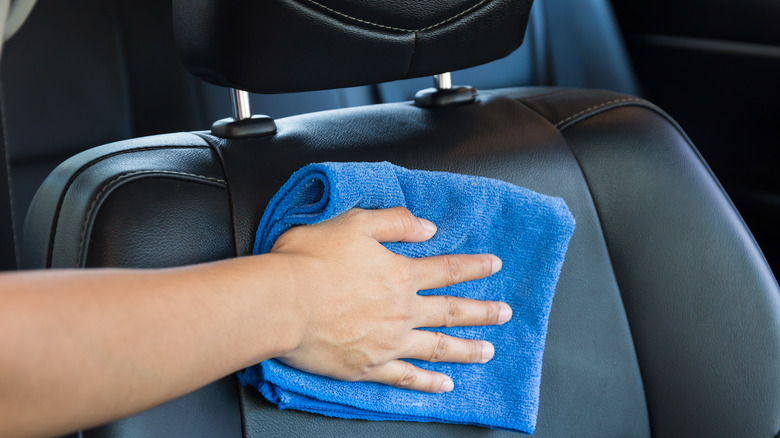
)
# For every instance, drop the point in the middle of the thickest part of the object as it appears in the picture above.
(530, 232)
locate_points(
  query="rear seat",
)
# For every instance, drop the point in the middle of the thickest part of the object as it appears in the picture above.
(83, 73)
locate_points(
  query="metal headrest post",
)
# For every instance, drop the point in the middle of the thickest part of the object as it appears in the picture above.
(243, 124)
(240, 101)
(442, 81)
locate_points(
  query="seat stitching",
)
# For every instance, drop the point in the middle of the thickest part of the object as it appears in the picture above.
(384, 26)
(595, 108)
(92, 162)
(114, 182)
(542, 96)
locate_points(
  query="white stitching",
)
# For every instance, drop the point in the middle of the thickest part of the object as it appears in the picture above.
(594, 108)
(115, 181)
(383, 26)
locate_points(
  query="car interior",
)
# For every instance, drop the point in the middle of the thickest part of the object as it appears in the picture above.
(666, 318)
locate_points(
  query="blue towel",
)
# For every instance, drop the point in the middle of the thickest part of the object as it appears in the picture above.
(530, 232)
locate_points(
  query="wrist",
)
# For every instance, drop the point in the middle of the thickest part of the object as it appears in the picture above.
(282, 273)
(273, 303)
(253, 306)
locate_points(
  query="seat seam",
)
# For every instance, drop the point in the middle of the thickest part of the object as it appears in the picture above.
(544, 95)
(384, 26)
(585, 114)
(596, 108)
(83, 168)
(116, 181)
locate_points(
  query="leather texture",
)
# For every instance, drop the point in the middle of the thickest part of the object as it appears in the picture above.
(303, 45)
(182, 157)
(666, 319)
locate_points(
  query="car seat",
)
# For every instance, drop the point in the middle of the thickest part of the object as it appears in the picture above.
(666, 319)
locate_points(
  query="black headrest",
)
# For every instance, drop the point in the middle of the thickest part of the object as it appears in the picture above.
(276, 46)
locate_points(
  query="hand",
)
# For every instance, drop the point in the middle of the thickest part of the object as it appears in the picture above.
(358, 303)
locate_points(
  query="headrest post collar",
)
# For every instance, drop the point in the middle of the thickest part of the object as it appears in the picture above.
(442, 81)
(243, 124)
(444, 94)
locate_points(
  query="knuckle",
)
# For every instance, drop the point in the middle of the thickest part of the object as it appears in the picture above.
(454, 312)
(475, 352)
(440, 350)
(454, 269)
(365, 373)
(406, 221)
(434, 385)
(491, 313)
(358, 217)
(407, 378)
(486, 266)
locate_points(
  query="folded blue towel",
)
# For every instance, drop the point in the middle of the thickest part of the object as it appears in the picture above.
(530, 232)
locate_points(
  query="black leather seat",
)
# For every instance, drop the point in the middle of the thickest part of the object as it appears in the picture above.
(666, 320)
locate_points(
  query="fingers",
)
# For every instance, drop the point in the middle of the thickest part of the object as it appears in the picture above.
(447, 311)
(438, 347)
(396, 224)
(446, 270)
(407, 376)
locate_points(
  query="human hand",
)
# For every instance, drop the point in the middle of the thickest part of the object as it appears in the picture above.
(358, 303)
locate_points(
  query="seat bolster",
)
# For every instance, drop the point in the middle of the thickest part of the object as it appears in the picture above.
(702, 303)
(56, 229)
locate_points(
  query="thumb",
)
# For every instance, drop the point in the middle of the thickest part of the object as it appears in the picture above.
(398, 224)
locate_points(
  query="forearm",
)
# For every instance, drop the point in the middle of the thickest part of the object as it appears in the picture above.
(80, 348)
(148, 336)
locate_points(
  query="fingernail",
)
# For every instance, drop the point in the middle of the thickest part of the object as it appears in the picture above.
(428, 225)
(447, 386)
(497, 264)
(487, 352)
(505, 314)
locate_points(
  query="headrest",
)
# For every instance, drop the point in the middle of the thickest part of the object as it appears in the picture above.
(277, 46)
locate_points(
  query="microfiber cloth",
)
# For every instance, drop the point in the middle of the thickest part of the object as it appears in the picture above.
(530, 232)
